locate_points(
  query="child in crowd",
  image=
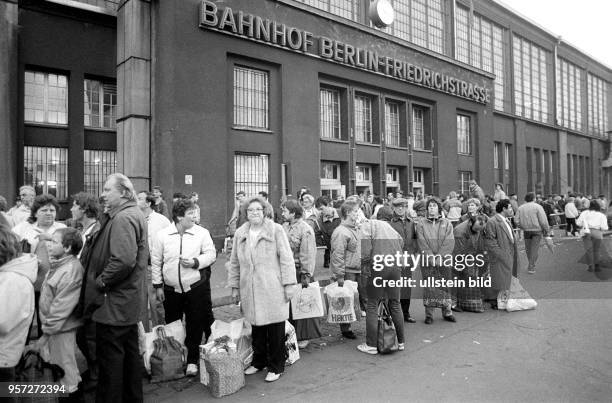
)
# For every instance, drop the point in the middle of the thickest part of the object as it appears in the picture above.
(58, 298)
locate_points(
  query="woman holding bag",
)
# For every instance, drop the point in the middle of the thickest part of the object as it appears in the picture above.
(262, 275)
(304, 248)
(593, 222)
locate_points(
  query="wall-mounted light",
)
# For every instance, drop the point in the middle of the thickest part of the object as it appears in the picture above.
(381, 13)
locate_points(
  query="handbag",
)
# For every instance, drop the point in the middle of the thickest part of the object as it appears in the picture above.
(387, 336)
(168, 359)
(33, 369)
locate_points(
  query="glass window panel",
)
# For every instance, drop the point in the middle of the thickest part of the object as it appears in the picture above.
(418, 128)
(251, 173)
(463, 134)
(98, 165)
(363, 118)
(45, 98)
(46, 169)
(392, 124)
(251, 92)
(330, 113)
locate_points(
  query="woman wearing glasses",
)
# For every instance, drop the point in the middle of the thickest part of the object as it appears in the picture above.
(262, 276)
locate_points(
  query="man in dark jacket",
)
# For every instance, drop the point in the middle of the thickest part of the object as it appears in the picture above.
(115, 261)
(324, 226)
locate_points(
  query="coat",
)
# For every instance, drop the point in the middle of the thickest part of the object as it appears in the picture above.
(17, 279)
(435, 237)
(502, 252)
(261, 273)
(302, 242)
(115, 260)
(405, 227)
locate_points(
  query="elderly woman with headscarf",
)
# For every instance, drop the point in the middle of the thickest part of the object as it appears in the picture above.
(470, 263)
(262, 276)
(303, 245)
(436, 242)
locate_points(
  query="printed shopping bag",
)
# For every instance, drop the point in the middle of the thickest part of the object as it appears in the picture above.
(293, 352)
(341, 303)
(307, 302)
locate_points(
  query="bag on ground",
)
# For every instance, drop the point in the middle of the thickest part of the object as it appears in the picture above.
(341, 302)
(174, 329)
(515, 299)
(387, 336)
(223, 367)
(32, 368)
(307, 302)
(169, 358)
(239, 331)
(293, 352)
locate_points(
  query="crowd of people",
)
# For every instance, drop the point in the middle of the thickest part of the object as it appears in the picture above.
(127, 257)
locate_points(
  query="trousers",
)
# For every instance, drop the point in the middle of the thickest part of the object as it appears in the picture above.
(269, 347)
(532, 247)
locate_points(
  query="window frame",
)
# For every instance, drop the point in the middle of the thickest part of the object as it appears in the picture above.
(464, 139)
(101, 175)
(258, 185)
(101, 105)
(45, 154)
(343, 112)
(426, 118)
(266, 101)
(45, 97)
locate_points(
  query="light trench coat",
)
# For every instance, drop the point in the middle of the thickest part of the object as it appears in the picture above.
(261, 273)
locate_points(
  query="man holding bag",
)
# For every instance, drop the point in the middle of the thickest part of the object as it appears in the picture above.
(379, 238)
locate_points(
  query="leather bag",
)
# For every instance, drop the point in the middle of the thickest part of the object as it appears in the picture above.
(387, 336)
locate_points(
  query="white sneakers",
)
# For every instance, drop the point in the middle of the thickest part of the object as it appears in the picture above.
(271, 377)
(303, 344)
(192, 370)
(364, 348)
(400, 346)
(251, 370)
(363, 314)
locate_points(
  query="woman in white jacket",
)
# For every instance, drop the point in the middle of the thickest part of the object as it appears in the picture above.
(17, 276)
(593, 222)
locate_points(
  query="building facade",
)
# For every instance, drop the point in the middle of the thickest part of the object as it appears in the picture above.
(222, 96)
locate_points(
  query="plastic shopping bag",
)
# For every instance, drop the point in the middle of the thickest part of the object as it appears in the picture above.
(518, 298)
(307, 302)
(293, 351)
(341, 302)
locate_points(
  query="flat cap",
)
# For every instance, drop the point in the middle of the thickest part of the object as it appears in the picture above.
(400, 201)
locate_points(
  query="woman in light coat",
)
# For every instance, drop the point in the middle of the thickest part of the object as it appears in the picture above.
(262, 275)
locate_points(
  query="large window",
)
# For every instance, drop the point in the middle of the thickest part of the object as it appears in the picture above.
(420, 127)
(420, 22)
(45, 98)
(251, 98)
(530, 80)
(363, 118)
(569, 100)
(331, 183)
(392, 123)
(98, 165)
(251, 173)
(100, 104)
(46, 169)
(464, 177)
(350, 9)
(597, 105)
(330, 113)
(480, 43)
(464, 134)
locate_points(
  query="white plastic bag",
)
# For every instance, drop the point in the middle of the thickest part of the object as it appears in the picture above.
(307, 302)
(174, 329)
(293, 351)
(518, 298)
(341, 302)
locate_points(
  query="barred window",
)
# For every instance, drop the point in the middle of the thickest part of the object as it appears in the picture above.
(464, 134)
(480, 43)
(330, 113)
(45, 98)
(464, 178)
(98, 165)
(496, 155)
(420, 22)
(363, 118)
(46, 169)
(597, 105)
(392, 124)
(251, 98)
(418, 128)
(251, 173)
(569, 100)
(349, 9)
(100, 101)
(530, 80)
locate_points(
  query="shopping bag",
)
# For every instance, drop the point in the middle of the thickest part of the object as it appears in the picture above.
(169, 358)
(239, 331)
(174, 329)
(32, 368)
(223, 367)
(387, 336)
(293, 352)
(518, 298)
(341, 303)
(307, 302)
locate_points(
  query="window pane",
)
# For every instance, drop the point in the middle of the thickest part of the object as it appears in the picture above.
(530, 80)
(330, 113)
(418, 128)
(45, 168)
(251, 89)
(251, 173)
(45, 98)
(463, 135)
(98, 165)
(363, 119)
(392, 124)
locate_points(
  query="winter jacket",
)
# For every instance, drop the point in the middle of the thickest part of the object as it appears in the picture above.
(261, 272)
(378, 238)
(170, 245)
(302, 242)
(571, 211)
(453, 209)
(502, 250)
(17, 301)
(324, 229)
(531, 217)
(115, 261)
(435, 237)
(345, 251)
(405, 227)
(60, 295)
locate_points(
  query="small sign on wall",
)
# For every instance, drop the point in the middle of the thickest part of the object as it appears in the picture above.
(188, 180)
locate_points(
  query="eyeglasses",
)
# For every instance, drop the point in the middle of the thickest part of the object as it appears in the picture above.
(254, 210)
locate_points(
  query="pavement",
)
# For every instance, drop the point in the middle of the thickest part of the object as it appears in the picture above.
(559, 352)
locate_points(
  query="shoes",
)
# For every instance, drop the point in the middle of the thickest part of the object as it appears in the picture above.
(428, 320)
(364, 348)
(192, 370)
(457, 308)
(303, 344)
(531, 271)
(271, 377)
(252, 370)
(400, 346)
(349, 335)
(363, 314)
(450, 318)
(409, 319)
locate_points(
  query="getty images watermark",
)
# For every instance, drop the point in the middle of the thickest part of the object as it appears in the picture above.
(458, 262)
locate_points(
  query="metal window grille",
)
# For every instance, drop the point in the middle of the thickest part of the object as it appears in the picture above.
(568, 95)
(46, 169)
(100, 104)
(330, 113)
(98, 165)
(464, 134)
(418, 128)
(392, 124)
(350, 9)
(464, 178)
(597, 105)
(251, 173)
(45, 98)
(251, 98)
(530, 80)
(363, 118)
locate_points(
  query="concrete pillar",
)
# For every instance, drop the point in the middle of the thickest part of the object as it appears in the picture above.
(562, 147)
(8, 98)
(134, 91)
(520, 156)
